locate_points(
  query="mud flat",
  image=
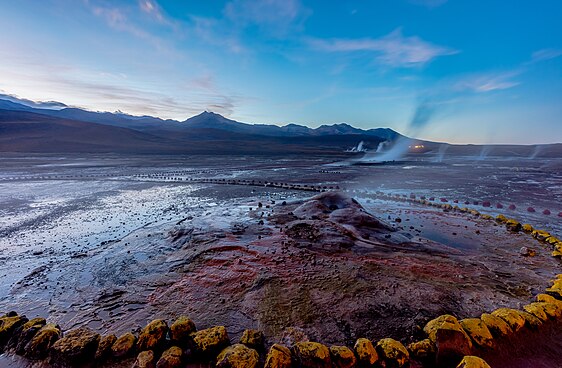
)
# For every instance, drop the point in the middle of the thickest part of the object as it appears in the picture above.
(127, 242)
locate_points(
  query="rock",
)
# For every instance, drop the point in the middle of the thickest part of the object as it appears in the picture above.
(28, 330)
(170, 358)
(538, 310)
(393, 353)
(556, 288)
(478, 332)
(497, 326)
(472, 362)
(531, 320)
(342, 357)
(552, 306)
(513, 225)
(211, 340)
(527, 228)
(104, 347)
(540, 234)
(38, 347)
(278, 356)
(423, 350)
(238, 356)
(153, 336)
(451, 340)
(512, 317)
(8, 325)
(253, 339)
(312, 355)
(145, 359)
(366, 353)
(76, 347)
(501, 219)
(124, 346)
(526, 252)
(181, 329)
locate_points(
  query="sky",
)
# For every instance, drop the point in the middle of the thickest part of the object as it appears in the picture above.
(475, 71)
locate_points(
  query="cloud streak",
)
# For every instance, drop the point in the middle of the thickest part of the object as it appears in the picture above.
(481, 83)
(393, 50)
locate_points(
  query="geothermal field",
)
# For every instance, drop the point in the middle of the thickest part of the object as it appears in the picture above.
(327, 249)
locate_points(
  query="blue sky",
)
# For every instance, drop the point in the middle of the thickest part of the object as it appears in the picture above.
(490, 71)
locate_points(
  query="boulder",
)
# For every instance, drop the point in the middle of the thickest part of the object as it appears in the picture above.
(556, 288)
(512, 317)
(513, 225)
(531, 321)
(423, 350)
(393, 353)
(153, 336)
(342, 357)
(312, 355)
(145, 359)
(25, 334)
(478, 332)
(211, 340)
(76, 347)
(472, 362)
(124, 346)
(238, 356)
(38, 347)
(527, 228)
(253, 339)
(278, 356)
(170, 358)
(181, 330)
(538, 310)
(366, 353)
(8, 325)
(501, 219)
(451, 340)
(540, 234)
(104, 347)
(497, 326)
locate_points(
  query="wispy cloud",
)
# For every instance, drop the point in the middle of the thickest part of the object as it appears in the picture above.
(488, 82)
(393, 49)
(152, 8)
(277, 17)
(545, 54)
(429, 3)
(206, 29)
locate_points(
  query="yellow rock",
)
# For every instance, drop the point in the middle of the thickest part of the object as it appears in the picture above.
(279, 356)
(512, 317)
(538, 310)
(145, 359)
(253, 339)
(552, 240)
(77, 345)
(238, 356)
(153, 336)
(556, 286)
(342, 357)
(513, 225)
(478, 332)
(41, 343)
(124, 345)
(501, 218)
(531, 320)
(8, 325)
(170, 358)
(211, 340)
(485, 217)
(366, 352)
(422, 350)
(476, 213)
(540, 234)
(431, 327)
(470, 361)
(104, 347)
(393, 353)
(548, 299)
(497, 326)
(527, 228)
(312, 355)
(181, 329)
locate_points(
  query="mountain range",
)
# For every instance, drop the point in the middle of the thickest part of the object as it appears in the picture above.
(24, 128)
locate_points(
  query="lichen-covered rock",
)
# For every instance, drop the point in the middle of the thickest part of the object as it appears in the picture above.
(76, 347)
(145, 359)
(552, 306)
(26, 332)
(393, 353)
(556, 288)
(497, 326)
(540, 234)
(537, 309)
(181, 329)
(170, 358)
(211, 340)
(278, 356)
(124, 346)
(312, 355)
(527, 228)
(153, 336)
(450, 339)
(366, 353)
(512, 317)
(501, 219)
(342, 357)
(431, 327)
(253, 339)
(530, 320)
(8, 325)
(422, 350)
(513, 225)
(478, 332)
(472, 362)
(238, 356)
(38, 347)
(104, 347)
